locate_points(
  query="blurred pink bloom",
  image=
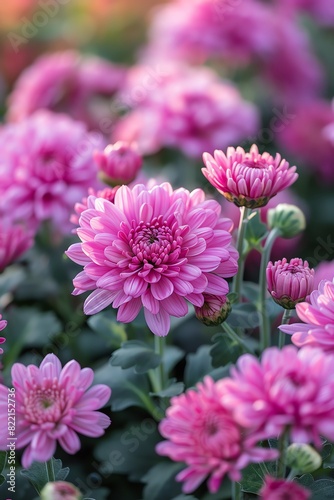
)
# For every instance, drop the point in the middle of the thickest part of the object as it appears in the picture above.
(47, 165)
(202, 432)
(289, 282)
(323, 271)
(119, 163)
(214, 311)
(67, 82)
(248, 179)
(153, 249)
(288, 388)
(310, 137)
(3, 324)
(15, 239)
(188, 109)
(318, 316)
(280, 489)
(54, 404)
(321, 11)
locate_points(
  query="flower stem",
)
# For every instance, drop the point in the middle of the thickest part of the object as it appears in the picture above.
(292, 474)
(236, 491)
(264, 320)
(282, 446)
(285, 320)
(244, 212)
(233, 335)
(157, 376)
(50, 470)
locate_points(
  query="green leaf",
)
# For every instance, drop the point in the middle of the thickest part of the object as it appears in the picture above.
(185, 497)
(129, 451)
(3, 460)
(225, 350)
(137, 354)
(128, 388)
(256, 231)
(244, 316)
(327, 455)
(11, 278)
(198, 365)
(173, 389)
(171, 356)
(160, 481)
(2, 479)
(37, 474)
(253, 476)
(105, 325)
(322, 489)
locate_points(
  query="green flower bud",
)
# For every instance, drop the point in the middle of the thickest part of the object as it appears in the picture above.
(60, 490)
(289, 219)
(303, 458)
(214, 310)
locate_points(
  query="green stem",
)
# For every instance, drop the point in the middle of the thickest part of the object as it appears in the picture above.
(244, 212)
(292, 474)
(159, 347)
(282, 446)
(285, 320)
(233, 335)
(236, 491)
(264, 320)
(50, 470)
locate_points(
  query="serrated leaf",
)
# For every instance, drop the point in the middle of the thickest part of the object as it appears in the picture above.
(128, 388)
(256, 231)
(244, 316)
(174, 389)
(253, 476)
(225, 350)
(37, 474)
(198, 365)
(137, 354)
(105, 325)
(160, 481)
(322, 489)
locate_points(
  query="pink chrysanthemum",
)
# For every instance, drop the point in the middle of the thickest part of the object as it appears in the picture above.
(154, 249)
(54, 404)
(46, 166)
(186, 108)
(119, 163)
(107, 193)
(288, 388)
(15, 239)
(66, 82)
(3, 324)
(202, 432)
(248, 179)
(318, 316)
(280, 489)
(323, 271)
(321, 11)
(289, 282)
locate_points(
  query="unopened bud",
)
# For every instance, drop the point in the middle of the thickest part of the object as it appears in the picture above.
(302, 458)
(118, 164)
(289, 219)
(60, 490)
(214, 311)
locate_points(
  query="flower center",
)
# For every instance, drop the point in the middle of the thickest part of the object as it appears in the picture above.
(45, 404)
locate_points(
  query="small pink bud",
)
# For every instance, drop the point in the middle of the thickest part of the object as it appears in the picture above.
(60, 490)
(275, 489)
(289, 282)
(214, 311)
(118, 164)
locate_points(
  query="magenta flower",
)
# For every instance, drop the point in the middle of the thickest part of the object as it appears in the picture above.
(280, 489)
(3, 324)
(154, 249)
(202, 432)
(107, 193)
(318, 316)
(47, 165)
(320, 11)
(54, 404)
(287, 388)
(15, 240)
(214, 310)
(66, 82)
(188, 109)
(118, 163)
(248, 179)
(289, 282)
(323, 271)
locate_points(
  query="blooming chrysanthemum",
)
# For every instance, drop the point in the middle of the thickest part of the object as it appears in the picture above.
(15, 239)
(323, 271)
(203, 433)
(66, 82)
(53, 404)
(280, 489)
(318, 316)
(288, 388)
(107, 193)
(46, 166)
(154, 249)
(188, 109)
(248, 179)
(289, 282)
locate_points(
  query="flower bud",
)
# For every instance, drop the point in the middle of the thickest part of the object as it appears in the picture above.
(289, 219)
(303, 458)
(60, 490)
(118, 164)
(275, 489)
(289, 282)
(214, 311)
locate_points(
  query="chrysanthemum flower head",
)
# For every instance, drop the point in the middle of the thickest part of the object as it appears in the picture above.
(154, 249)
(54, 404)
(288, 388)
(248, 179)
(318, 316)
(289, 282)
(119, 163)
(203, 433)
